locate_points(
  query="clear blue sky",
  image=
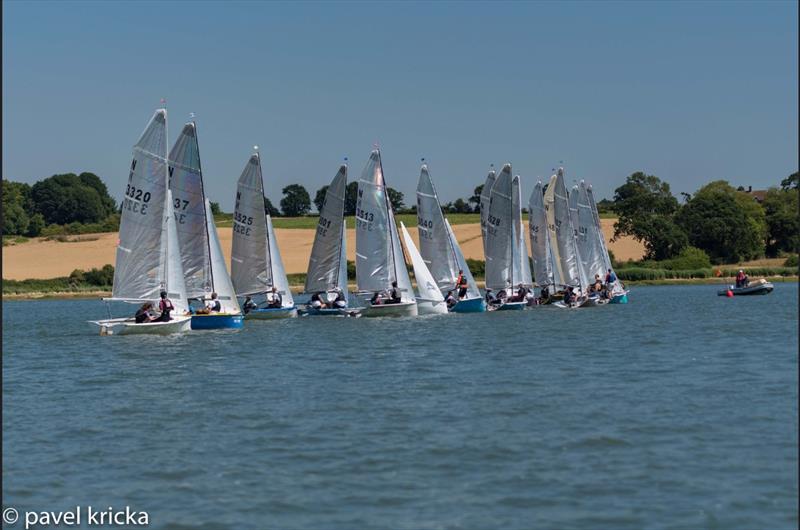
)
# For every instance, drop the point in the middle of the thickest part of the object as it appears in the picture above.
(689, 91)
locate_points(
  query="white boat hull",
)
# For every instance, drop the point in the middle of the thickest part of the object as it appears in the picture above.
(431, 307)
(128, 326)
(403, 309)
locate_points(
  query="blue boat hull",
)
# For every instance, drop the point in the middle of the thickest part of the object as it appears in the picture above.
(217, 321)
(474, 305)
(620, 299)
(512, 306)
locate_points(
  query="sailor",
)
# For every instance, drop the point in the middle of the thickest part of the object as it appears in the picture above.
(597, 286)
(274, 299)
(461, 285)
(450, 300)
(394, 294)
(489, 297)
(377, 298)
(544, 297)
(340, 301)
(741, 279)
(610, 277)
(213, 305)
(165, 306)
(569, 295)
(249, 305)
(143, 314)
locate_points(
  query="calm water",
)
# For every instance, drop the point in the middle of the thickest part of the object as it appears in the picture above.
(678, 410)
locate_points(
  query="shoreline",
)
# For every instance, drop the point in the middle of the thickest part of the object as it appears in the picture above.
(296, 289)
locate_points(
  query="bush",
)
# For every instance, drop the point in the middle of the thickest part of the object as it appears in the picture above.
(689, 258)
(791, 261)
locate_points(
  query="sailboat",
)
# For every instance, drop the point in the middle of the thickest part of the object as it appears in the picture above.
(201, 254)
(439, 247)
(545, 273)
(327, 267)
(619, 295)
(484, 205)
(379, 257)
(429, 300)
(148, 259)
(563, 243)
(256, 265)
(506, 254)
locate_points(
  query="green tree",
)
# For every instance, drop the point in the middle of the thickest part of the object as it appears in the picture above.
(719, 222)
(215, 209)
(461, 206)
(791, 182)
(16, 207)
(319, 198)
(783, 220)
(270, 209)
(295, 201)
(68, 198)
(646, 210)
(395, 198)
(475, 200)
(36, 225)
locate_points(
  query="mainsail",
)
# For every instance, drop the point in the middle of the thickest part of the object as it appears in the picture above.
(186, 184)
(472, 287)
(379, 256)
(326, 263)
(437, 246)
(521, 265)
(147, 258)
(590, 236)
(565, 249)
(250, 254)
(543, 270)
(500, 234)
(484, 206)
(426, 285)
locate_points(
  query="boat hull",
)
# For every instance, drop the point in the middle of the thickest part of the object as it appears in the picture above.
(619, 299)
(761, 288)
(217, 321)
(331, 312)
(403, 309)
(128, 326)
(512, 306)
(431, 307)
(272, 313)
(471, 305)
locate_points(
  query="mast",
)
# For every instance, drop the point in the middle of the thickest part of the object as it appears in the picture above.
(166, 200)
(344, 234)
(266, 227)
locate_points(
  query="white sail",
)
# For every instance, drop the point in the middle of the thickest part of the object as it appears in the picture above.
(472, 287)
(589, 236)
(426, 284)
(500, 234)
(484, 206)
(342, 283)
(521, 265)
(139, 272)
(379, 257)
(435, 244)
(279, 279)
(565, 249)
(175, 285)
(602, 242)
(325, 265)
(251, 272)
(540, 241)
(220, 280)
(186, 184)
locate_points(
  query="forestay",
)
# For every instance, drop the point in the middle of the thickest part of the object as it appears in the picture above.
(186, 184)
(325, 265)
(521, 265)
(435, 244)
(251, 272)
(220, 280)
(379, 257)
(426, 284)
(500, 233)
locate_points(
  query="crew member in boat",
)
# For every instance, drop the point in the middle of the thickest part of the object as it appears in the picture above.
(610, 277)
(377, 298)
(741, 279)
(274, 299)
(544, 296)
(144, 314)
(394, 294)
(212, 306)
(461, 285)
(248, 305)
(569, 295)
(340, 301)
(489, 297)
(317, 302)
(165, 306)
(597, 286)
(450, 300)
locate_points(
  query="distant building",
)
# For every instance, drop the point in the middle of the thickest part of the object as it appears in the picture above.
(758, 195)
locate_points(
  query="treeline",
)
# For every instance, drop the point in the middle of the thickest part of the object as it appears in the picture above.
(718, 224)
(78, 281)
(66, 203)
